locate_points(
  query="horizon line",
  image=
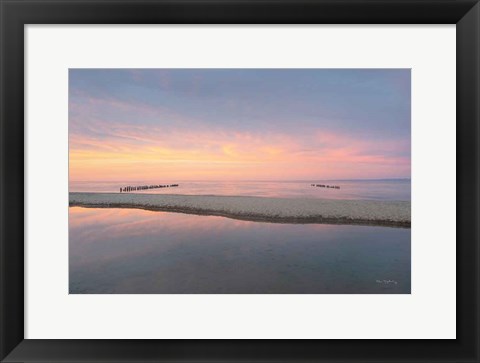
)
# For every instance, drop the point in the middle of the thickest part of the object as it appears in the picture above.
(242, 180)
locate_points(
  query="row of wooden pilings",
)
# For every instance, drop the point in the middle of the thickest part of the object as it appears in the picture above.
(145, 187)
(326, 186)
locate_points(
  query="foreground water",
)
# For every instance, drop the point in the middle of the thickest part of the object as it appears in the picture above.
(135, 251)
(382, 189)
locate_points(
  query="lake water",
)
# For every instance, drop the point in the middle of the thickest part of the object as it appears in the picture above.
(389, 189)
(141, 252)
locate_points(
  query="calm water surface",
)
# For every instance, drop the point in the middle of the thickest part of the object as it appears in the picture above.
(391, 189)
(134, 251)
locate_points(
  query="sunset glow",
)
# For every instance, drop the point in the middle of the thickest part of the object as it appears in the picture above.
(239, 124)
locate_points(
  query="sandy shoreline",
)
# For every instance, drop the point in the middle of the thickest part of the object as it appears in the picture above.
(277, 210)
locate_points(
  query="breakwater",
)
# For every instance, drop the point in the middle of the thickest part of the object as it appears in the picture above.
(326, 186)
(130, 188)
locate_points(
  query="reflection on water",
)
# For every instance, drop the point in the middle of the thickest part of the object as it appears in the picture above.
(392, 189)
(135, 251)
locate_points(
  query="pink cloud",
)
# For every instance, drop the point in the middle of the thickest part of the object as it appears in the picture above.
(142, 150)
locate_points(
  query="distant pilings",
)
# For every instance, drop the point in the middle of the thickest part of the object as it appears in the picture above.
(130, 188)
(326, 186)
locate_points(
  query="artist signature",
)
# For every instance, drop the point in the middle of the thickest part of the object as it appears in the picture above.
(386, 282)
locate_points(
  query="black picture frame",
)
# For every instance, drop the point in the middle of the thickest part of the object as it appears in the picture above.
(15, 14)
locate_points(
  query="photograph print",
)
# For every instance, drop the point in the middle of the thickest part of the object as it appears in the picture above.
(239, 181)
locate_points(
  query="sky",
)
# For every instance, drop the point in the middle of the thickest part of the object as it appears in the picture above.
(239, 124)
